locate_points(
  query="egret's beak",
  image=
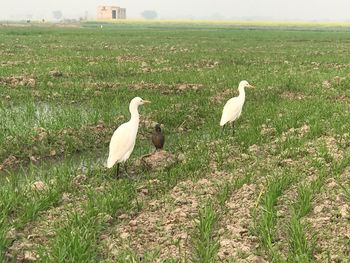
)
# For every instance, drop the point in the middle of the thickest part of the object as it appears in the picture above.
(146, 101)
(251, 86)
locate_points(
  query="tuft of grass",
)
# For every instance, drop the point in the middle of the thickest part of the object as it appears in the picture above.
(346, 190)
(205, 244)
(72, 242)
(266, 215)
(224, 194)
(299, 247)
(303, 204)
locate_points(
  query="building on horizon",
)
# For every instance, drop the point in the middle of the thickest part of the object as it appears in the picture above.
(105, 12)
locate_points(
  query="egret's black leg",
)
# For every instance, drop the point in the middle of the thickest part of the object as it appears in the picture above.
(233, 128)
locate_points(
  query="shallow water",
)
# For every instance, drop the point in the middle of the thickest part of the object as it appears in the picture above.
(78, 161)
(43, 110)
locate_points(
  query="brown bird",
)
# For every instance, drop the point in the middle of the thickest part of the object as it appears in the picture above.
(158, 137)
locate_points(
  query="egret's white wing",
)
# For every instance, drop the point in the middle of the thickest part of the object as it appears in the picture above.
(231, 111)
(121, 143)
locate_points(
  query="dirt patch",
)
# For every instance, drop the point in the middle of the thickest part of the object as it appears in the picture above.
(152, 86)
(202, 64)
(9, 161)
(331, 145)
(175, 49)
(341, 98)
(339, 79)
(15, 81)
(167, 88)
(148, 68)
(157, 160)
(293, 95)
(222, 96)
(101, 85)
(328, 84)
(11, 63)
(188, 86)
(267, 130)
(299, 132)
(39, 186)
(236, 242)
(273, 147)
(56, 73)
(129, 58)
(147, 123)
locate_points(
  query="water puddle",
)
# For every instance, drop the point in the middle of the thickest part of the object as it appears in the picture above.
(84, 162)
(43, 111)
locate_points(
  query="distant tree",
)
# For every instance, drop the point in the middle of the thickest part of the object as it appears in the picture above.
(29, 17)
(57, 14)
(149, 14)
(217, 16)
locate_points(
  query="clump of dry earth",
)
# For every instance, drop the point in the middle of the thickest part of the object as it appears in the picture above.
(14, 81)
(236, 240)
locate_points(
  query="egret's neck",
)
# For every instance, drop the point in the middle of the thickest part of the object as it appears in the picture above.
(241, 92)
(134, 113)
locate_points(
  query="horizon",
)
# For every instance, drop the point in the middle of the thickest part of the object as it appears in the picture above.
(225, 10)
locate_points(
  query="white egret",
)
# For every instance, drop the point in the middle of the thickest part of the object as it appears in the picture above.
(233, 107)
(123, 139)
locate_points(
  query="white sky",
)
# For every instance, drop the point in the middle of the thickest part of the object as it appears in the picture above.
(337, 10)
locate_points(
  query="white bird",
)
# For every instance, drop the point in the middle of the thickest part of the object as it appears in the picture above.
(124, 137)
(233, 107)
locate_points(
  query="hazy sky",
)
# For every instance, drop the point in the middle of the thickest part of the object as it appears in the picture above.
(337, 10)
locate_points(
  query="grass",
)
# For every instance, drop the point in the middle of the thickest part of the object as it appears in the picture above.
(266, 218)
(20, 204)
(84, 224)
(300, 248)
(346, 190)
(204, 242)
(303, 204)
(57, 127)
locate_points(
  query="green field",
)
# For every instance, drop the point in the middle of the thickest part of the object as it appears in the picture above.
(278, 190)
